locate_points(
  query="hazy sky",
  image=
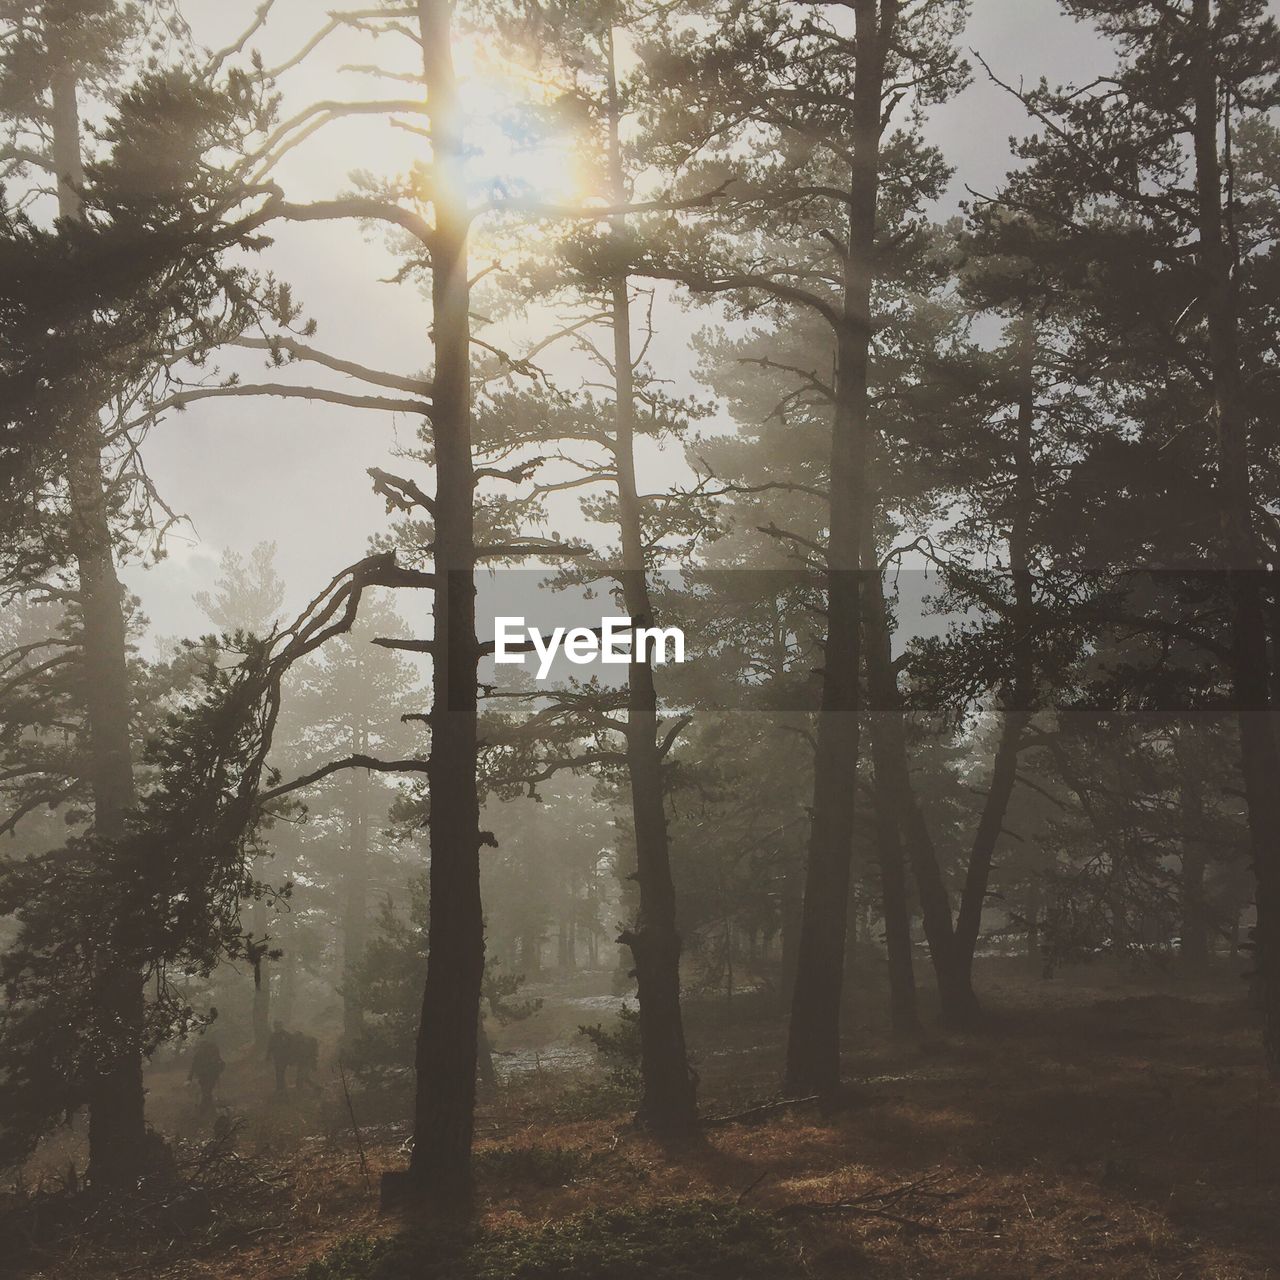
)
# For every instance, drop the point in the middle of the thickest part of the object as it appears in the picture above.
(249, 470)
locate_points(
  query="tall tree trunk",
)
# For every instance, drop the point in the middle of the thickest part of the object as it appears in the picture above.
(355, 907)
(444, 1112)
(894, 786)
(1020, 692)
(952, 946)
(882, 693)
(1249, 668)
(813, 1035)
(669, 1101)
(117, 1121)
(903, 1013)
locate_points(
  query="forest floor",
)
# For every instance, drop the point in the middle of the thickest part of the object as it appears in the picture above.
(1100, 1124)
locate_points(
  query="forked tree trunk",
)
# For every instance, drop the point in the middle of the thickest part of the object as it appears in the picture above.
(895, 788)
(952, 946)
(668, 1102)
(1020, 691)
(813, 1036)
(1242, 562)
(117, 1122)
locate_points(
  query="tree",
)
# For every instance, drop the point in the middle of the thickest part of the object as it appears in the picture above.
(822, 97)
(352, 693)
(1161, 157)
(587, 267)
(156, 272)
(247, 598)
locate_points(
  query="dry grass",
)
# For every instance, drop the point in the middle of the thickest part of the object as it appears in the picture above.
(1093, 1129)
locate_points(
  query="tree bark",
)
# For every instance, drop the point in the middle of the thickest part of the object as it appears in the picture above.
(903, 1013)
(813, 1035)
(444, 1112)
(1242, 561)
(895, 789)
(669, 1099)
(117, 1121)
(355, 908)
(1020, 692)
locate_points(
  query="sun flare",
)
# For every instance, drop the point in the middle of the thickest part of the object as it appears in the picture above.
(517, 148)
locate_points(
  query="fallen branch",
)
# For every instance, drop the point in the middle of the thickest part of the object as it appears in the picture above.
(754, 1114)
(875, 1204)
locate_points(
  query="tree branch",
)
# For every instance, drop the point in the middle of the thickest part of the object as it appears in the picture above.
(414, 386)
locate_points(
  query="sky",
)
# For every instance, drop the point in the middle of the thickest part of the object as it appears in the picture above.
(245, 471)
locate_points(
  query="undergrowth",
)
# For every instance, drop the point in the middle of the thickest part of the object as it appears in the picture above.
(542, 1166)
(689, 1240)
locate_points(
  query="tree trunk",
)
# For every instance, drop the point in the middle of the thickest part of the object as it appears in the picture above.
(117, 1121)
(1241, 559)
(1020, 692)
(286, 995)
(903, 1014)
(261, 1005)
(668, 1103)
(813, 1036)
(952, 947)
(444, 1112)
(355, 910)
(1033, 919)
(895, 788)
(1193, 952)
(261, 1011)
(882, 684)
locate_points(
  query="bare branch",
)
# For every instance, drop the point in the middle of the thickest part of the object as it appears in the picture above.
(409, 646)
(349, 762)
(282, 390)
(669, 739)
(379, 378)
(362, 208)
(400, 492)
(260, 16)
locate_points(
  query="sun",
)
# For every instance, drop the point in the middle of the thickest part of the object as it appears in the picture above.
(516, 149)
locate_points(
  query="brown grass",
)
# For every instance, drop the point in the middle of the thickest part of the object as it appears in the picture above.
(1102, 1128)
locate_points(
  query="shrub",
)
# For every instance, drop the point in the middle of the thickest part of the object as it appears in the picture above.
(619, 1049)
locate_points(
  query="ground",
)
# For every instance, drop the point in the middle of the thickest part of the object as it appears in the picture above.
(1103, 1124)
